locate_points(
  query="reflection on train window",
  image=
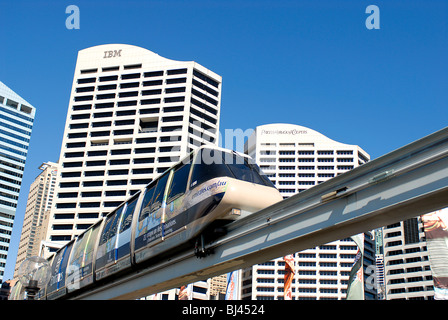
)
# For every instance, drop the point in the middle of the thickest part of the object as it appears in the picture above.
(179, 182)
(110, 229)
(209, 164)
(146, 203)
(158, 192)
(127, 217)
(245, 171)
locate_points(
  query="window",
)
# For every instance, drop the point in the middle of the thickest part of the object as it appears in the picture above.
(107, 87)
(209, 164)
(176, 80)
(179, 182)
(128, 214)
(177, 71)
(109, 231)
(159, 191)
(153, 74)
(108, 78)
(411, 232)
(130, 76)
(86, 80)
(148, 125)
(205, 78)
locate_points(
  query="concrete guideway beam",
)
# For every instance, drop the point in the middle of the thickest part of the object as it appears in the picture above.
(405, 183)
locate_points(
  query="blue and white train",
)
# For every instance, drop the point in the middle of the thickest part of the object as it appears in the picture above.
(193, 199)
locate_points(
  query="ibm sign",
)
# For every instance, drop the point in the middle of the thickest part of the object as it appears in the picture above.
(112, 54)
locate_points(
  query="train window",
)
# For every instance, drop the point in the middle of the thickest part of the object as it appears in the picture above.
(159, 192)
(243, 170)
(110, 229)
(82, 257)
(58, 272)
(179, 182)
(146, 203)
(209, 164)
(127, 217)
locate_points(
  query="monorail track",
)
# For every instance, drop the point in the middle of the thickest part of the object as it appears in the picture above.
(405, 183)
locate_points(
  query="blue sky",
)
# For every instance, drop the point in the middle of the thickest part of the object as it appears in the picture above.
(311, 63)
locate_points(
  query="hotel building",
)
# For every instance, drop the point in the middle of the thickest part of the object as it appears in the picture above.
(132, 114)
(406, 262)
(16, 123)
(35, 221)
(296, 158)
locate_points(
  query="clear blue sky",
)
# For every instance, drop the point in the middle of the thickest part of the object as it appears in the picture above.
(312, 63)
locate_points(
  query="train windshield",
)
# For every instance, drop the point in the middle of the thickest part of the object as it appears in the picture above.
(211, 163)
(244, 170)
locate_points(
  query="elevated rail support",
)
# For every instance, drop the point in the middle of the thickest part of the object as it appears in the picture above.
(405, 183)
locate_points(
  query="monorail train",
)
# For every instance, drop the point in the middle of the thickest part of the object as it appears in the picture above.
(196, 197)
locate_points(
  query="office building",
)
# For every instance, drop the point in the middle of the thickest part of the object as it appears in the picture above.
(35, 221)
(16, 123)
(296, 158)
(406, 262)
(132, 114)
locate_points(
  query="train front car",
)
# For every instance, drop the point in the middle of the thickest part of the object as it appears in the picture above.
(225, 186)
(231, 183)
(208, 189)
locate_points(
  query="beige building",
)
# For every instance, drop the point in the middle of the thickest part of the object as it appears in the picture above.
(35, 222)
(296, 158)
(407, 266)
(132, 114)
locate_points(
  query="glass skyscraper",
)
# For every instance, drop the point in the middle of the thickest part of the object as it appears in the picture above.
(16, 123)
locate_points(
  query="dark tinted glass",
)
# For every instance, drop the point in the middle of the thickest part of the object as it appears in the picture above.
(179, 183)
(158, 192)
(128, 214)
(147, 202)
(209, 164)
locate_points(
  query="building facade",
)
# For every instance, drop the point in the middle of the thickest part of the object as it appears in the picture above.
(406, 262)
(296, 158)
(35, 221)
(132, 114)
(16, 123)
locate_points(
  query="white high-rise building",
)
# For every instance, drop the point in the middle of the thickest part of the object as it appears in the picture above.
(296, 158)
(132, 114)
(407, 265)
(16, 123)
(35, 221)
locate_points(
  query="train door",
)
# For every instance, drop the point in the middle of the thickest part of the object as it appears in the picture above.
(123, 240)
(80, 268)
(149, 229)
(176, 214)
(105, 255)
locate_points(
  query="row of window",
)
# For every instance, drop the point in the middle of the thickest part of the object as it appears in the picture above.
(102, 183)
(306, 160)
(131, 85)
(264, 167)
(16, 114)
(128, 103)
(330, 273)
(73, 164)
(17, 122)
(147, 74)
(305, 152)
(301, 281)
(301, 290)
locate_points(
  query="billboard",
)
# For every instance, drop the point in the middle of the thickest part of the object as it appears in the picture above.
(435, 227)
